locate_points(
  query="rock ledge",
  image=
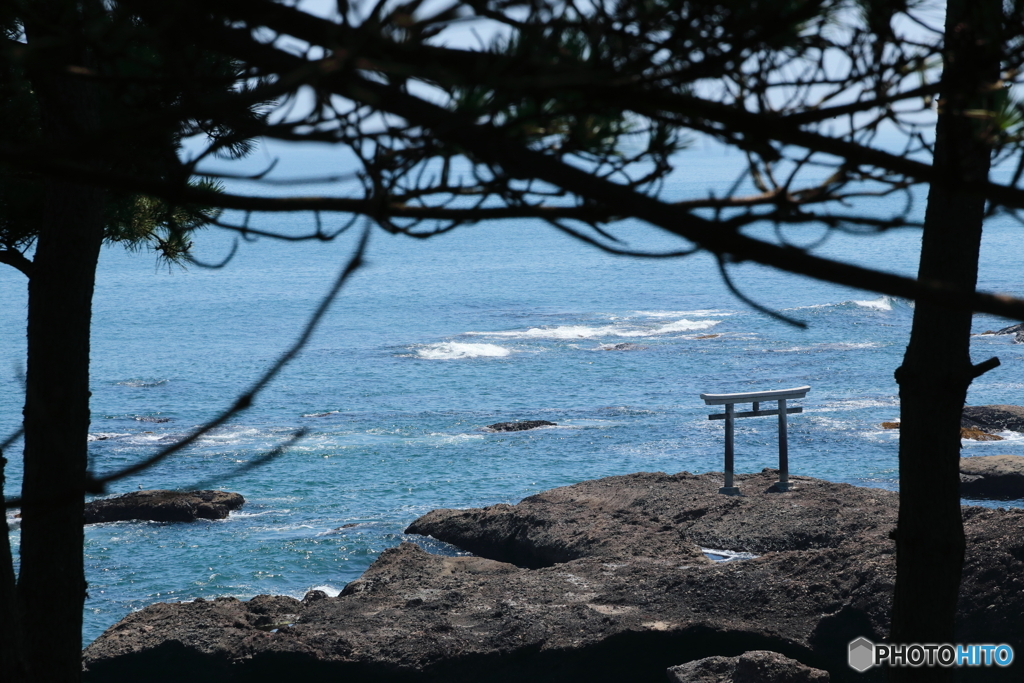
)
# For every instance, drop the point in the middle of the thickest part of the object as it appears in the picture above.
(163, 506)
(601, 582)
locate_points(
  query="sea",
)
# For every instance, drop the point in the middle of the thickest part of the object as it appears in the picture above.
(433, 340)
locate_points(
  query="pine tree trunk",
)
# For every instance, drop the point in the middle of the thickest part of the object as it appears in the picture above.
(937, 370)
(51, 582)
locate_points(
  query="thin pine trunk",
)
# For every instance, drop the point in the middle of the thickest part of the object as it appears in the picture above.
(51, 582)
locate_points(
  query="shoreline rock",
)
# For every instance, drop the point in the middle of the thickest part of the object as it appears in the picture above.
(619, 592)
(158, 505)
(999, 477)
(994, 418)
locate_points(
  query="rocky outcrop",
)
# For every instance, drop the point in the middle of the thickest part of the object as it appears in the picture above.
(602, 581)
(1012, 329)
(999, 477)
(651, 514)
(994, 418)
(163, 506)
(759, 666)
(520, 426)
(621, 346)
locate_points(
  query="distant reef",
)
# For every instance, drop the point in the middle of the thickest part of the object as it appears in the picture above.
(520, 425)
(163, 506)
(605, 581)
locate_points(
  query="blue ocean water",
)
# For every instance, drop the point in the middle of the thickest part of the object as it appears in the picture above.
(435, 339)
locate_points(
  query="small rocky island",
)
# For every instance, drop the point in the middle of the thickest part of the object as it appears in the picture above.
(163, 506)
(602, 581)
(519, 426)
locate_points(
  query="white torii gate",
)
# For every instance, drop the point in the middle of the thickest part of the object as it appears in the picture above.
(756, 397)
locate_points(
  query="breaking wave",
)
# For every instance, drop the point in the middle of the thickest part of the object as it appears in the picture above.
(456, 350)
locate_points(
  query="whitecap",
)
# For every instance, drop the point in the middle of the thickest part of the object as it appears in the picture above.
(331, 591)
(588, 332)
(456, 350)
(882, 303)
(103, 436)
(228, 435)
(455, 438)
(560, 332)
(859, 403)
(686, 326)
(827, 346)
(702, 313)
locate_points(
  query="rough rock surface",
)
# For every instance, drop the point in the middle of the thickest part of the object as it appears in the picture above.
(994, 418)
(759, 666)
(520, 426)
(618, 592)
(992, 476)
(1012, 329)
(163, 506)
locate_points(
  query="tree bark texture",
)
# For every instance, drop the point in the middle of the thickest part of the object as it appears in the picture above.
(937, 370)
(51, 583)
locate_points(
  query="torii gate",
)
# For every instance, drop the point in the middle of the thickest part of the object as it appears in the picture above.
(729, 400)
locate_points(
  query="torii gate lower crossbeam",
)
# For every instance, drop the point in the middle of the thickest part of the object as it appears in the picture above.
(730, 415)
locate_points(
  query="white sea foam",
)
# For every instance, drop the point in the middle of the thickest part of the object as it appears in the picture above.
(331, 591)
(828, 346)
(142, 382)
(235, 513)
(702, 313)
(882, 303)
(103, 436)
(686, 326)
(454, 438)
(456, 350)
(858, 403)
(229, 435)
(588, 332)
(1014, 438)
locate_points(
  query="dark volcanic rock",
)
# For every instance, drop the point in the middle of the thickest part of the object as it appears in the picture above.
(992, 476)
(645, 512)
(163, 506)
(633, 598)
(995, 418)
(1012, 329)
(520, 426)
(759, 666)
